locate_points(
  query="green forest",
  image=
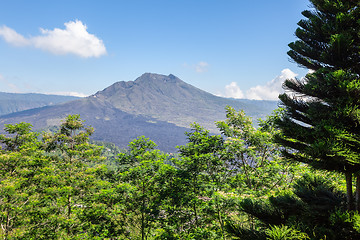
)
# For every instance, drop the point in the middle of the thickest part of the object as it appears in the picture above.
(296, 175)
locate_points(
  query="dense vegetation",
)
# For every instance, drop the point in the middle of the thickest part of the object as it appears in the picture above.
(282, 180)
(230, 186)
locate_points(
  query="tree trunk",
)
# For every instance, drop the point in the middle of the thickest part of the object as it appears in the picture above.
(69, 215)
(194, 205)
(7, 226)
(143, 212)
(349, 194)
(220, 221)
(357, 192)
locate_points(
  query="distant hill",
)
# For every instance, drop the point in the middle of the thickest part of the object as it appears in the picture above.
(16, 102)
(157, 106)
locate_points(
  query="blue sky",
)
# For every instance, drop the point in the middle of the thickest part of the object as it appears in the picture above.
(230, 48)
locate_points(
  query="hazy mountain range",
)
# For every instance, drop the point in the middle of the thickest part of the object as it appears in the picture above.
(16, 102)
(157, 106)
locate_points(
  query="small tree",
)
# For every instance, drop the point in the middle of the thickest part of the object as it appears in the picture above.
(251, 155)
(206, 174)
(22, 199)
(73, 178)
(140, 173)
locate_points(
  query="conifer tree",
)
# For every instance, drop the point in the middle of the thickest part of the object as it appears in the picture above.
(320, 123)
(329, 36)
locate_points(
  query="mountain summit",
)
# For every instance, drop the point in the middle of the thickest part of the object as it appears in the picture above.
(158, 106)
(167, 98)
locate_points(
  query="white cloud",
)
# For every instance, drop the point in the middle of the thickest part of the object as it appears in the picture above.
(13, 37)
(74, 94)
(74, 39)
(201, 67)
(272, 89)
(269, 91)
(233, 91)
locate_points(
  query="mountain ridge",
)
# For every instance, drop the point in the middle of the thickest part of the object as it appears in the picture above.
(158, 106)
(147, 94)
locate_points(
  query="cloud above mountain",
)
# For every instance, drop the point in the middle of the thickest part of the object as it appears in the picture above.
(73, 94)
(233, 91)
(199, 67)
(272, 89)
(74, 39)
(268, 91)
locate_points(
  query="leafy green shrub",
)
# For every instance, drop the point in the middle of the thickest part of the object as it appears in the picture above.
(284, 233)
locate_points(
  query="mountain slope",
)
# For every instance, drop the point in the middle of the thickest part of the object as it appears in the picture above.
(111, 124)
(168, 98)
(157, 106)
(16, 102)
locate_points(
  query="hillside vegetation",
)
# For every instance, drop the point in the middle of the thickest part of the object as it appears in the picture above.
(234, 186)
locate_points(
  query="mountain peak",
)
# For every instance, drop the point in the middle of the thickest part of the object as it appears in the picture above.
(158, 106)
(166, 98)
(154, 77)
(159, 96)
